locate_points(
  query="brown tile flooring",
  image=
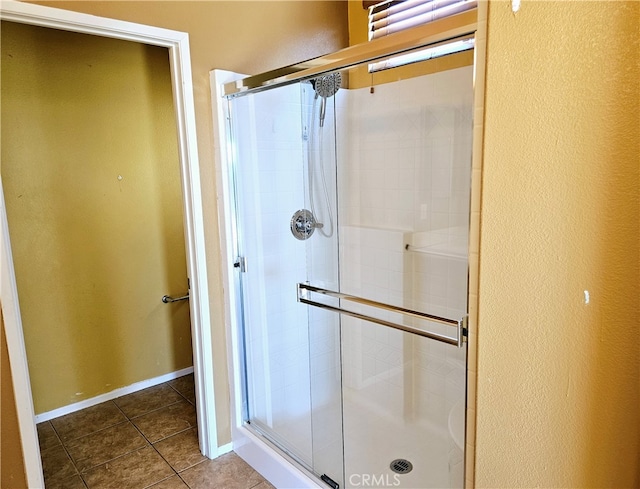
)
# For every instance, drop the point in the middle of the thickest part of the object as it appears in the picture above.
(144, 439)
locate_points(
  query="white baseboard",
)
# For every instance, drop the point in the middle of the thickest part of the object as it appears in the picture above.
(122, 391)
(225, 449)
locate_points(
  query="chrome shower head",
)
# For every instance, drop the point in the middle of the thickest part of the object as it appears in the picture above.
(327, 85)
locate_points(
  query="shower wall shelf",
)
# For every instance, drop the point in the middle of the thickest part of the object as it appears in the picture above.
(434, 251)
(446, 242)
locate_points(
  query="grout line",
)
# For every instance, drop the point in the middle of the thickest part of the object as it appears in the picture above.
(173, 434)
(141, 433)
(263, 479)
(175, 472)
(181, 394)
(78, 437)
(160, 481)
(191, 466)
(158, 409)
(182, 479)
(68, 445)
(72, 463)
(114, 458)
(118, 408)
(55, 432)
(131, 418)
(64, 447)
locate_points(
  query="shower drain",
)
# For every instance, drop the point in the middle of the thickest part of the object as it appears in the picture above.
(401, 466)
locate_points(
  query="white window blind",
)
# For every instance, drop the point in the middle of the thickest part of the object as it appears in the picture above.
(397, 15)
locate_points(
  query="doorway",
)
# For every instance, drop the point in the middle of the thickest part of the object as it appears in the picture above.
(180, 76)
(92, 189)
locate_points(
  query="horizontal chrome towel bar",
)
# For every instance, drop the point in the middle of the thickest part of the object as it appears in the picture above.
(166, 299)
(460, 324)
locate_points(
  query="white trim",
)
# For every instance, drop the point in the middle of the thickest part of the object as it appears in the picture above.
(27, 13)
(109, 396)
(17, 355)
(225, 449)
(217, 78)
(178, 46)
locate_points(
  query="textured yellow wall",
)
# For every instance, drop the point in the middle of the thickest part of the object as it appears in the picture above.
(12, 474)
(243, 36)
(558, 379)
(93, 252)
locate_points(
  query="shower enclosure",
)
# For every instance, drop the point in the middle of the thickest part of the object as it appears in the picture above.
(350, 225)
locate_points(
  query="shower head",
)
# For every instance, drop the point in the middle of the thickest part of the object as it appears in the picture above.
(327, 85)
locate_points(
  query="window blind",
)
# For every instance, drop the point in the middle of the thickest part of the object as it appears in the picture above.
(397, 15)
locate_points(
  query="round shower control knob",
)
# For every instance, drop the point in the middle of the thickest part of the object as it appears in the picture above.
(303, 224)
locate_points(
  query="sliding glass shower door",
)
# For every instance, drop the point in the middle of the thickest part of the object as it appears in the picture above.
(404, 174)
(352, 210)
(291, 353)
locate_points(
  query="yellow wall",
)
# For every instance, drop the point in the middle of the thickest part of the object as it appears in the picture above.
(557, 392)
(12, 474)
(92, 185)
(243, 36)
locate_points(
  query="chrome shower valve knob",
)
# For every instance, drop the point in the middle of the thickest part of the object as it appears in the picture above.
(303, 224)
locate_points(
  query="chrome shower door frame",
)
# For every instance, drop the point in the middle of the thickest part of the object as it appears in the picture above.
(306, 71)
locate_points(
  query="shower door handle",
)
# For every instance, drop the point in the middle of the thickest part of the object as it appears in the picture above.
(459, 324)
(241, 263)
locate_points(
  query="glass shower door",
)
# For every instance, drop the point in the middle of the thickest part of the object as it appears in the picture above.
(352, 211)
(404, 172)
(291, 363)
(403, 163)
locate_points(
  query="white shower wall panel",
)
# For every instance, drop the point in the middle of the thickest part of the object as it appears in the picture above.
(407, 153)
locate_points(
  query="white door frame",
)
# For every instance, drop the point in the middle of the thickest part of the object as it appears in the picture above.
(180, 63)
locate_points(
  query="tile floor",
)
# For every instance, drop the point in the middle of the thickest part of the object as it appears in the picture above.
(147, 439)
